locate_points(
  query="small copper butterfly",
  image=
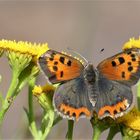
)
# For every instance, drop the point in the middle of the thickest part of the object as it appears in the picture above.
(85, 89)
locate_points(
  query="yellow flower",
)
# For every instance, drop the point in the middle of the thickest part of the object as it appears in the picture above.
(24, 47)
(44, 95)
(132, 43)
(37, 90)
(46, 89)
(131, 121)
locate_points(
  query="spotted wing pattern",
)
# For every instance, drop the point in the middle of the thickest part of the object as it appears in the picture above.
(59, 67)
(116, 75)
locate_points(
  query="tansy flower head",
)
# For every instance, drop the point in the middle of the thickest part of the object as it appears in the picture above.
(18, 61)
(46, 89)
(131, 119)
(44, 96)
(132, 122)
(24, 47)
(132, 43)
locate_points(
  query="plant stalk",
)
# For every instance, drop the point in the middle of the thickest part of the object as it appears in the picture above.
(10, 95)
(70, 129)
(31, 118)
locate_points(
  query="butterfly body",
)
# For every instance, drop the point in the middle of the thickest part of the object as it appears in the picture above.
(105, 90)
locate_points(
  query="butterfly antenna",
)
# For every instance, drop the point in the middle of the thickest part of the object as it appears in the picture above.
(78, 54)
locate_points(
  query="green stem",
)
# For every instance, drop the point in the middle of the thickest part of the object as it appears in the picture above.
(98, 127)
(138, 95)
(1, 100)
(50, 116)
(31, 112)
(96, 133)
(2, 112)
(13, 86)
(58, 119)
(10, 95)
(113, 131)
(70, 129)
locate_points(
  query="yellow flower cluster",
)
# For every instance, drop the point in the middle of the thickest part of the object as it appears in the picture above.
(132, 43)
(40, 89)
(131, 119)
(24, 47)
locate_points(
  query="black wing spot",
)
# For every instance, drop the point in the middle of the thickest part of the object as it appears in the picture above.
(133, 59)
(114, 63)
(123, 74)
(130, 68)
(55, 68)
(121, 60)
(62, 59)
(121, 109)
(132, 55)
(74, 114)
(61, 74)
(51, 59)
(129, 52)
(69, 63)
(106, 112)
(129, 63)
(68, 113)
(115, 112)
(82, 113)
(55, 63)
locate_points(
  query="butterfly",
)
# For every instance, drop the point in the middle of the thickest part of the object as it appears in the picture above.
(85, 89)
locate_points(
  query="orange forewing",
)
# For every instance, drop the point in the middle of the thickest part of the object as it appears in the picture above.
(122, 66)
(64, 67)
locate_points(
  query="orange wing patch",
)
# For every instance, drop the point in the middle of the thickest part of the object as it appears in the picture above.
(121, 66)
(59, 67)
(112, 111)
(74, 112)
(64, 67)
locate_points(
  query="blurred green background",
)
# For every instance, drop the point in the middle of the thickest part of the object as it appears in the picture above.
(85, 26)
